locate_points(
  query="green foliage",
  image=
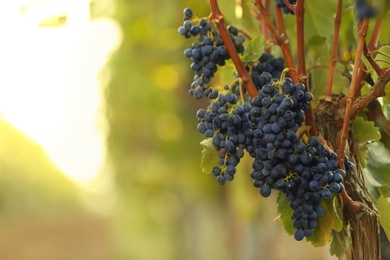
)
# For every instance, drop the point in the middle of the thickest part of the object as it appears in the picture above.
(340, 242)
(378, 163)
(384, 214)
(285, 212)
(317, 18)
(210, 157)
(383, 60)
(254, 49)
(363, 132)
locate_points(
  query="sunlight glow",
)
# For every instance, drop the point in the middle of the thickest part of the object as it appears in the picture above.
(49, 86)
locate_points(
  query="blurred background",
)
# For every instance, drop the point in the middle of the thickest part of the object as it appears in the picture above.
(99, 152)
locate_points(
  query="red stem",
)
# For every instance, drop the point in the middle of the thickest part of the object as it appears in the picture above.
(333, 60)
(363, 25)
(300, 20)
(302, 73)
(220, 23)
(280, 39)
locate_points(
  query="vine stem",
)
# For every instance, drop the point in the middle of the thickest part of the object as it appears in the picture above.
(302, 73)
(373, 43)
(280, 39)
(378, 90)
(217, 17)
(264, 27)
(371, 46)
(363, 25)
(333, 60)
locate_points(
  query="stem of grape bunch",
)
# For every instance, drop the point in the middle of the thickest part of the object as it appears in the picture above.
(220, 23)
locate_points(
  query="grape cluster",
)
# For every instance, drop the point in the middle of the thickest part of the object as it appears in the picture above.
(207, 51)
(266, 63)
(229, 126)
(265, 127)
(285, 9)
(306, 172)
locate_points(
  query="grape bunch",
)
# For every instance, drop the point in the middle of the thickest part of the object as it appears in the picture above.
(208, 51)
(227, 123)
(285, 9)
(266, 126)
(305, 172)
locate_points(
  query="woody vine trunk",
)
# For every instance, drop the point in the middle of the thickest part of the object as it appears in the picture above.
(363, 226)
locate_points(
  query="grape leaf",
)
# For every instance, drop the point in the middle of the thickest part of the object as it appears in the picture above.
(383, 60)
(371, 184)
(385, 31)
(285, 213)
(384, 191)
(378, 163)
(340, 241)
(209, 156)
(320, 77)
(317, 18)
(364, 131)
(254, 49)
(332, 220)
(383, 206)
(383, 57)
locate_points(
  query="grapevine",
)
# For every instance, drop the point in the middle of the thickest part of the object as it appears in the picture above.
(266, 112)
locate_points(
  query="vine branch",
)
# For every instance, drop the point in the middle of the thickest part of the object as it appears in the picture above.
(333, 59)
(217, 17)
(378, 90)
(363, 25)
(280, 39)
(302, 73)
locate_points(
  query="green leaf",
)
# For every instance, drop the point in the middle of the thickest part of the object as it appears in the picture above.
(317, 18)
(364, 131)
(383, 60)
(384, 36)
(254, 49)
(210, 157)
(320, 77)
(340, 241)
(316, 40)
(285, 213)
(332, 220)
(378, 163)
(384, 191)
(383, 206)
(371, 184)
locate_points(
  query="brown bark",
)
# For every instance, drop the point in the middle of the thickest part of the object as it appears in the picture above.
(364, 225)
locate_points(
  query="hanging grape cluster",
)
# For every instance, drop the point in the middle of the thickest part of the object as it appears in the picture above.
(266, 126)
(207, 51)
